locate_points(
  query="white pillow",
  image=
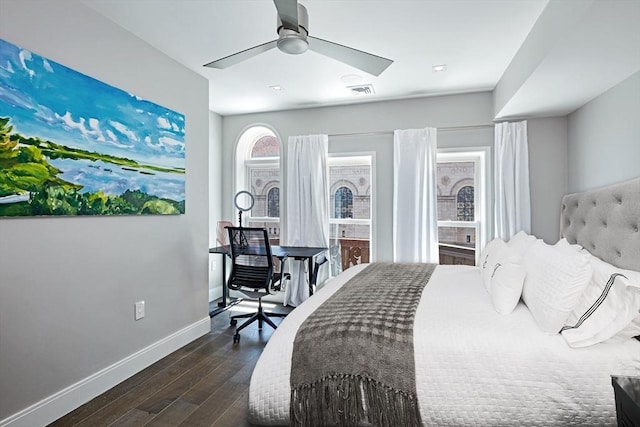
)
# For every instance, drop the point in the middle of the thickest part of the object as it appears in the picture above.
(502, 275)
(488, 259)
(555, 280)
(631, 331)
(607, 307)
(521, 242)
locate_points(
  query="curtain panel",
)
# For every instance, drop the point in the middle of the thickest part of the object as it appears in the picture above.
(511, 180)
(306, 213)
(415, 215)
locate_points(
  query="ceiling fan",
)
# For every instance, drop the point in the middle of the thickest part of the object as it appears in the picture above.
(294, 38)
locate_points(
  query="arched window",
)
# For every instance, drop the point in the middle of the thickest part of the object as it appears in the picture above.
(343, 203)
(465, 204)
(273, 202)
(266, 146)
(258, 171)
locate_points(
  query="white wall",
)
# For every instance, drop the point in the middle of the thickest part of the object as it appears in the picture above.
(604, 138)
(443, 111)
(68, 284)
(215, 208)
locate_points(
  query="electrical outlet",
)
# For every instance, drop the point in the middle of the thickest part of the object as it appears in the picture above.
(139, 312)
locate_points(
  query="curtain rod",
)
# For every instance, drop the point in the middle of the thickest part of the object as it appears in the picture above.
(390, 132)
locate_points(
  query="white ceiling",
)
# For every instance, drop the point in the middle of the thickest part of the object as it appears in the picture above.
(476, 39)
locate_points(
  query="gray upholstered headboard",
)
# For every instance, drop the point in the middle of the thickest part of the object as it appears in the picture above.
(606, 222)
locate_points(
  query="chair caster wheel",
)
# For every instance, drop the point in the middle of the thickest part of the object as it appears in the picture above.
(236, 338)
(234, 322)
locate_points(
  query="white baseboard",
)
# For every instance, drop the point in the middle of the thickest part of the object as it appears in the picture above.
(70, 398)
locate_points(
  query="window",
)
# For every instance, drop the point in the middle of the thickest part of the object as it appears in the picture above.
(273, 203)
(343, 203)
(461, 181)
(466, 203)
(258, 171)
(351, 186)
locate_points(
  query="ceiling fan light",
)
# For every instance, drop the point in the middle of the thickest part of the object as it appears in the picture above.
(293, 45)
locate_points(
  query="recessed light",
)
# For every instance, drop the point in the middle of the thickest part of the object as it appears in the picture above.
(351, 79)
(439, 68)
(276, 87)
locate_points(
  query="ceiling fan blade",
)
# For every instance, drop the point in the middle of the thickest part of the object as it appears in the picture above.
(288, 12)
(364, 61)
(230, 60)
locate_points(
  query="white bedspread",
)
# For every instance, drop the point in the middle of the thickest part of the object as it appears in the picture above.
(473, 365)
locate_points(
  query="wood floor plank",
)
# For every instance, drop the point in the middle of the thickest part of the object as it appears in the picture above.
(109, 396)
(173, 414)
(138, 395)
(166, 395)
(204, 383)
(106, 398)
(215, 406)
(212, 382)
(133, 418)
(237, 414)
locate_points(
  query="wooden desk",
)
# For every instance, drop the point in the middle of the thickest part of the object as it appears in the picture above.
(299, 253)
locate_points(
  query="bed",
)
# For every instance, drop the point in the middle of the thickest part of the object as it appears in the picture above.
(475, 366)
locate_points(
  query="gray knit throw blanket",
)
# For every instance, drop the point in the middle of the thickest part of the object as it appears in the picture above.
(353, 361)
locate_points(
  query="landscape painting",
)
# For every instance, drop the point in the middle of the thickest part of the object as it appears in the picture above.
(72, 145)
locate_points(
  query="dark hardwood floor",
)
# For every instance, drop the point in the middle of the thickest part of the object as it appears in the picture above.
(205, 383)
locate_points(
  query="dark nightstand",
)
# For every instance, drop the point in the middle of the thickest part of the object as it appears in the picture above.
(627, 394)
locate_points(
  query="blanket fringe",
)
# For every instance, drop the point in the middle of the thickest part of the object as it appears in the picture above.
(352, 400)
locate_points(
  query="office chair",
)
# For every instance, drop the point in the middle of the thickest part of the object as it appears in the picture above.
(316, 269)
(252, 273)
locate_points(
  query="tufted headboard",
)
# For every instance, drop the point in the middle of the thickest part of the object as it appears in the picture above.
(606, 222)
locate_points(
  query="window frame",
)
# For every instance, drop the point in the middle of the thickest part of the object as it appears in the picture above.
(268, 201)
(244, 163)
(262, 163)
(481, 158)
(335, 199)
(361, 158)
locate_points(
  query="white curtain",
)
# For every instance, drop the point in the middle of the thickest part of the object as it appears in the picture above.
(306, 216)
(512, 201)
(415, 217)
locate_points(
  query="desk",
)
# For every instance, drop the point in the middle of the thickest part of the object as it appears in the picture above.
(299, 253)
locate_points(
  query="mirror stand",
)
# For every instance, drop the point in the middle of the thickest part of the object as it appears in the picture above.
(243, 208)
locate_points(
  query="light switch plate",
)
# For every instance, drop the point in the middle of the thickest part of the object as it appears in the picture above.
(139, 314)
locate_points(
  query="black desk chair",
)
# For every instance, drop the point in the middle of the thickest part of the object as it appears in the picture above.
(253, 273)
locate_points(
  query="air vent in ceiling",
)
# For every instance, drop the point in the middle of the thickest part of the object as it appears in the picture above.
(360, 90)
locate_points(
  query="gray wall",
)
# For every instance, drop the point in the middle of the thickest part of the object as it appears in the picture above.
(604, 138)
(443, 111)
(68, 285)
(548, 174)
(455, 110)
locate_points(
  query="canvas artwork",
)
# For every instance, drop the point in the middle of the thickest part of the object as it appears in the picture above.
(72, 145)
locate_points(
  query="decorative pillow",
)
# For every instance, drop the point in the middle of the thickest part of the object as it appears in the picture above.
(631, 331)
(521, 242)
(555, 280)
(502, 275)
(564, 244)
(488, 259)
(607, 307)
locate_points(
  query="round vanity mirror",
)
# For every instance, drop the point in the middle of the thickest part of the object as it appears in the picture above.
(244, 202)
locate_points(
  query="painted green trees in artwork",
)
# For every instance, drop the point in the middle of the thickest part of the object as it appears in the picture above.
(26, 174)
(23, 168)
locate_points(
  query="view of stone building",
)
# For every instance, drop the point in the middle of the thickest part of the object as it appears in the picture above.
(456, 201)
(350, 199)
